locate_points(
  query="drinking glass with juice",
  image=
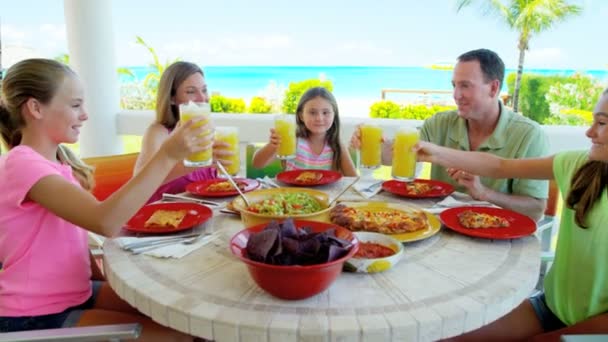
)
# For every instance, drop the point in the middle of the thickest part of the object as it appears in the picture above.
(371, 146)
(404, 159)
(189, 111)
(230, 136)
(285, 127)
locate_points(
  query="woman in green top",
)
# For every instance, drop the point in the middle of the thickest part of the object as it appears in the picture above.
(575, 298)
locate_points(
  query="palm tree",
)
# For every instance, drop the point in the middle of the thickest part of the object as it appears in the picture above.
(527, 17)
(153, 78)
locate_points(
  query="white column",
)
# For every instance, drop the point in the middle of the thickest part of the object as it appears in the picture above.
(91, 45)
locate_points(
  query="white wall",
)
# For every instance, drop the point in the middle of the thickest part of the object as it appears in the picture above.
(254, 127)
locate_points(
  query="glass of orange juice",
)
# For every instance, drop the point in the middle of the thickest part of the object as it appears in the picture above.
(230, 136)
(371, 146)
(189, 111)
(404, 159)
(285, 127)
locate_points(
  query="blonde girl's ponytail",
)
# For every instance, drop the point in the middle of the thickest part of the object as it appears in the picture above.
(81, 171)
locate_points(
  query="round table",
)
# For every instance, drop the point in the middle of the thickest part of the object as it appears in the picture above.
(445, 285)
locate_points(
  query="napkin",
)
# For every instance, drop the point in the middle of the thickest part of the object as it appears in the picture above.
(457, 199)
(368, 187)
(176, 249)
(268, 182)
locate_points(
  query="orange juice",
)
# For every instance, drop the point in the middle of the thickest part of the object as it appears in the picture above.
(371, 146)
(188, 111)
(230, 136)
(404, 159)
(285, 127)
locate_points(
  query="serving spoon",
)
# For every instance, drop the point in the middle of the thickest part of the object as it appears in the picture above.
(229, 177)
(343, 191)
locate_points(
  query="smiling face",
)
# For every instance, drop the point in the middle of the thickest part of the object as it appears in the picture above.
(598, 132)
(318, 115)
(474, 95)
(64, 115)
(194, 89)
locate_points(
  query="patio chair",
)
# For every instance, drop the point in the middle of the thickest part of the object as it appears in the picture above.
(111, 172)
(546, 229)
(112, 332)
(269, 170)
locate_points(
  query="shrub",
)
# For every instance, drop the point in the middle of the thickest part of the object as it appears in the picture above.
(260, 105)
(391, 110)
(296, 89)
(384, 109)
(222, 104)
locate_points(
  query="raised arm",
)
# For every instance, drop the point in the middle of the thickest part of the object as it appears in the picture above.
(106, 218)
(266, 154)
(485, 164)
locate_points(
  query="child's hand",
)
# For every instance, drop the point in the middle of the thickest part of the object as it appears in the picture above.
(275, 139)
(187, 139)
(222, 152)
(427, 152)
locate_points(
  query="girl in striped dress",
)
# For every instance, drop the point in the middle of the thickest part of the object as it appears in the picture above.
(318, 137)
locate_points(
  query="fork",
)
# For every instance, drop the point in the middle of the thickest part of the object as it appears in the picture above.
(186, 241)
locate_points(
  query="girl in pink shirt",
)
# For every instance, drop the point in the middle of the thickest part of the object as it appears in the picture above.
(45, 281)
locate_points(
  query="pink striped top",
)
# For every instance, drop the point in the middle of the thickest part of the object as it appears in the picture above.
(307, 159)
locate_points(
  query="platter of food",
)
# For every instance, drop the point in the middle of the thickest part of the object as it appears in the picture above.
(418, 188)
(309, 177)
(488, 222)
(221, 187)
(168, 217)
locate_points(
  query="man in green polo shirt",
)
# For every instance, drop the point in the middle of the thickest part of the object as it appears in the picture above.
(483, 123)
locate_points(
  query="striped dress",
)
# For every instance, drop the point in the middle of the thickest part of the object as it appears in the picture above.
(307, 159)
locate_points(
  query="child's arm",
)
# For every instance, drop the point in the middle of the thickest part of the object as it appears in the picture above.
(106, 218)
(266, 154)
(346, 162)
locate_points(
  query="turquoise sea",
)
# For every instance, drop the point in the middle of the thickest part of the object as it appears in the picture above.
(350, 82)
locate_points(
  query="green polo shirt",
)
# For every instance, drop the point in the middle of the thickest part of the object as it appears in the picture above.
(515, 136)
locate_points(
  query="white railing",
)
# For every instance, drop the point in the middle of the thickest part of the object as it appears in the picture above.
(254, 127)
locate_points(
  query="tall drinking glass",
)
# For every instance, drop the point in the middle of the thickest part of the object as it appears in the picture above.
(285, 127)
(230, 136)
(371, 146)
(189, 111)
(404, 159)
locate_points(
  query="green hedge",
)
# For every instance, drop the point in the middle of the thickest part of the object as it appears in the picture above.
(391, 110)
(260, 105)
(222, 104)
(297, 89)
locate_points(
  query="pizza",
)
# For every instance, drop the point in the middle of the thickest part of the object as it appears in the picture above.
(472, 219)
(309, 177)
(417, 188)
(225, 186)
(380, 220)
(165, 219)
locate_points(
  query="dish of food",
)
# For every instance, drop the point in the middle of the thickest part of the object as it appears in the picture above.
(168, 217)
(480, 219)
(221, 187)
(377, 253)
(418, 188)
(473, 219)
(309, 177)
(286, 204)
(403, 222)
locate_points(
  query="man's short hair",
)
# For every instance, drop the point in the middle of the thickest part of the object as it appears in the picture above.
(492, 66)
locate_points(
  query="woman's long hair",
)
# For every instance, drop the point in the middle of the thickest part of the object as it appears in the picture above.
(588, 184)
(39, 79)
(332, 136)
(167, 113)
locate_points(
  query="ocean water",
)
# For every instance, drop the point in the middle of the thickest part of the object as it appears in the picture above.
(349, 82)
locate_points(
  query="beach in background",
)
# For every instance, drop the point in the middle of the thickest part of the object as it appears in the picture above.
(355, 88)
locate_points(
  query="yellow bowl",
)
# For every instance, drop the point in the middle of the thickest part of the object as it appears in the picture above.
(251, 219)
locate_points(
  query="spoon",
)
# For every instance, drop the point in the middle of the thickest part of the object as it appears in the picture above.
(221, 167)
(343, 191)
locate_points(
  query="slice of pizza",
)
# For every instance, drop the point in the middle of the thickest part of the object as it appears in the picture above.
(224, 186)
(309, 177)
(417, 188)
(386, 221)
(165, 218)
(472, 219)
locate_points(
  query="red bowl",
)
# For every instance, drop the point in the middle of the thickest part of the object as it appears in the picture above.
(293, 282)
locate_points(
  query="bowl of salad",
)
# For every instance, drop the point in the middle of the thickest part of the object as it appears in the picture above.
(281, 203)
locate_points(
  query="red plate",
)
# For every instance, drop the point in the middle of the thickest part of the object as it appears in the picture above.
(519, 225)
(438, 189)
(200, 188)
(196, 214)
(327, 177)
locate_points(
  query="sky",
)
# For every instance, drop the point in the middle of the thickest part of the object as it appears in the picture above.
(312, 32)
